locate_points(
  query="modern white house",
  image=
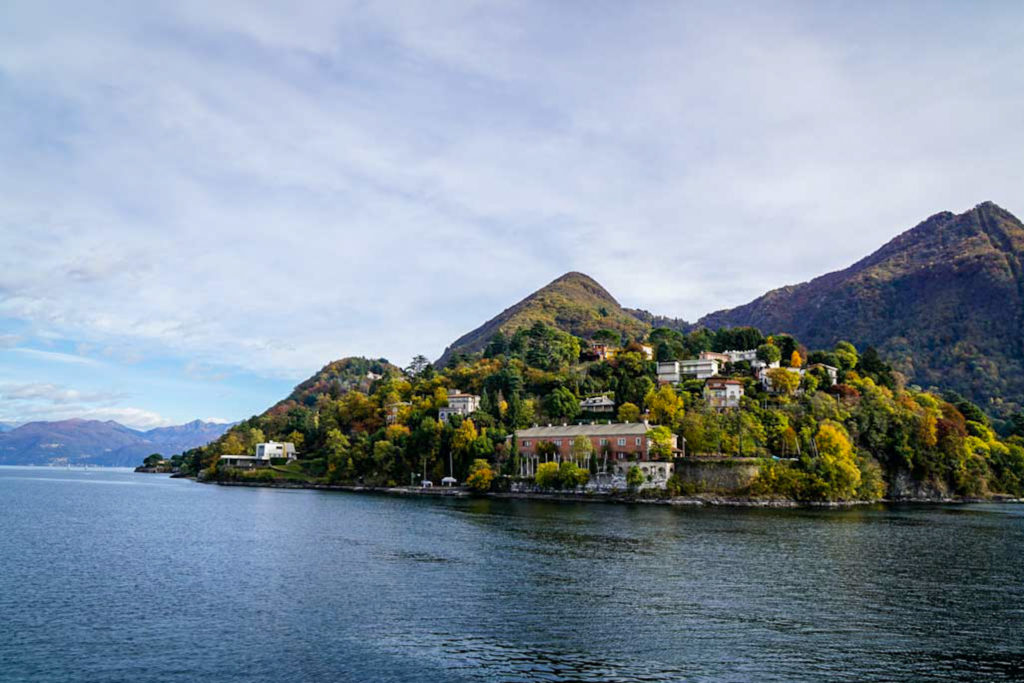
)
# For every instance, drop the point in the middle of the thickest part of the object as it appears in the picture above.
(458, 404)
(723, 393)
(264, 452)
(597, 404)
(668, 372)
(702, 368)
(673, 371)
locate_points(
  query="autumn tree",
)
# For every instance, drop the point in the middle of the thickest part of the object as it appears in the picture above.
(664, 405)
(629, 412)
(783, 381)
(480, 476)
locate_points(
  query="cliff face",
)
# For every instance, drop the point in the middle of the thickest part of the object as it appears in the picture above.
(574, 303)
(943, 302)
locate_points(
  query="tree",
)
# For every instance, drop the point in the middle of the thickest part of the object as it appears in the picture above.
(561, 403)
(629, 412)
(661, 442)
(783, 381)
(464, 436)
(418, 365)
(339, 464)
(547, 475)
(634, 477)
(480, 476)
(153, 460)
(795, 361)
(582, 449)
(664, 405)
(835, 462)
(769, 353)
(570, 475)
(846, 355)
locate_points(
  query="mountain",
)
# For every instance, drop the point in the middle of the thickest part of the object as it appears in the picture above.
(574, 303)
(94, 442)
(943, 302)
(7, 426)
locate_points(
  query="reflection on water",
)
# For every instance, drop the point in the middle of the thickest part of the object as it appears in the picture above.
(158, 579)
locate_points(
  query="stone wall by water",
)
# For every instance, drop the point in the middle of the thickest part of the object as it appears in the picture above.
(718, 475)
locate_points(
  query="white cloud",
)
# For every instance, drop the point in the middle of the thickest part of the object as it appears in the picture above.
(270, 189)
(43, 401)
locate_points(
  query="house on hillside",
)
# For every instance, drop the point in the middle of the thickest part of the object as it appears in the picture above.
(603, 351)
(723, 393)
(702, 368)
(264, 453)
(597, 404)
(766, 380)
(722, 358)
(648, 351)
(618, 446)
(458, 404)
(831, 372)
(394, 410)
(668, 372)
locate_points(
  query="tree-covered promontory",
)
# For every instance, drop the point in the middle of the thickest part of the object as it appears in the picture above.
(869, 435)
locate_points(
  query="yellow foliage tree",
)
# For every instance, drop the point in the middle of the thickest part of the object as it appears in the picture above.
(664, 405)
(480, 475)
(629, 412)
(795, 361)
(783, 381)
(464, 436)
(836, 464)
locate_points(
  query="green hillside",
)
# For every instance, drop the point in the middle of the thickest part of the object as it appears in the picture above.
(573, 303)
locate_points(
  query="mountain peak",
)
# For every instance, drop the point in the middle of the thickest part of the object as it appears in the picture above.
(574, 302)
(943, 301)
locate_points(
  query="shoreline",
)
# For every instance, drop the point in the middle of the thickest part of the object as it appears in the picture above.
(698, 500)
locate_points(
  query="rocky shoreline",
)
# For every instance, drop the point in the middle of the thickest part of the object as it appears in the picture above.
(697, 500)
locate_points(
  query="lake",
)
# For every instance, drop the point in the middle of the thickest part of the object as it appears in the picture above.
(116, 576)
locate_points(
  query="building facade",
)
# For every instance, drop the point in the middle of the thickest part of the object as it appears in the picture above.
(723, 393)
(458, 404)
(264, 453)
(597, 404)
(614, 442)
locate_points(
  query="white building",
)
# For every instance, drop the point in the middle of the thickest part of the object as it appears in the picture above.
(749, 355)
(702, 368)
(597, 404)
(723, 393)
(458, 404)
(264, 453)
(668, 372)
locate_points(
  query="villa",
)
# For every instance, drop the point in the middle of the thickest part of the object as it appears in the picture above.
(723, 393)
(597, 404)
(264, 453)
(458, 404)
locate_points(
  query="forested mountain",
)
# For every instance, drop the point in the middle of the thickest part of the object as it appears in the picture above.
(94, 442)
(573, 303)
(942, 302)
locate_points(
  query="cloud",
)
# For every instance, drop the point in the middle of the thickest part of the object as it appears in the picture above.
(248, 187)
(217, 420)
(42, 401)
(54, 356)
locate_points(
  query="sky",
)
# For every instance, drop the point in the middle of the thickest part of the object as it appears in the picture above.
(205, 202)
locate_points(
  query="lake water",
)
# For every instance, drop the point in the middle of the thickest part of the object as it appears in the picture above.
(114, 576)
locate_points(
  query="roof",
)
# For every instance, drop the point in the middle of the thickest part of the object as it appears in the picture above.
(568, 431)
(463, 396)
(242, 457)
(597, 400)
(716, 380)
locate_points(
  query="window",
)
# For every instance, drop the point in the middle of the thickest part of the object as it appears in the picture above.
(604, 442)
(622, 442)
(526, 444)
(558, 443)
(638, 441)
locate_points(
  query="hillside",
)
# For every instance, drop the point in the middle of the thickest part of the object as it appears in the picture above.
(573, 303)
(943, 302)
(93, 442)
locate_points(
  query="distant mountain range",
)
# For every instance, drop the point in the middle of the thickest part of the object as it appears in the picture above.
(92, 442)
(942, 302)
